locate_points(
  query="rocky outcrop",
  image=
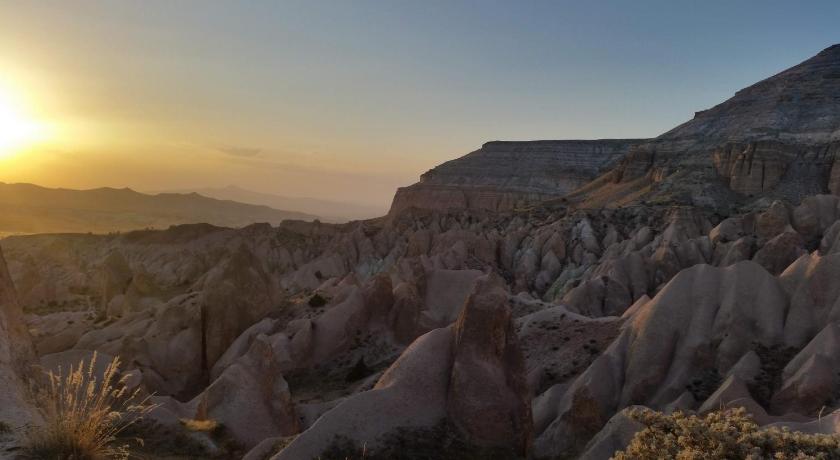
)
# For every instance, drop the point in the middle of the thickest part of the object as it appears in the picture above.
(470, 374)
(411, 394)
(250, 397)
(834, 174)
(754, 168)
(777, 138)
(810, 380)
(695, 330)
(504, 175)
(811, 283)
(488, 398)
(798, 105)
(236, 294)
(16, 355)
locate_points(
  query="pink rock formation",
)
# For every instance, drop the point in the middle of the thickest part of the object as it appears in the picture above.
(488, 398)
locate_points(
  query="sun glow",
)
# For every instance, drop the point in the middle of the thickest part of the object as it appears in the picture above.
(18, 128)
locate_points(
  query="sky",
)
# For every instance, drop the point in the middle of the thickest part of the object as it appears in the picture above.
(348, 100)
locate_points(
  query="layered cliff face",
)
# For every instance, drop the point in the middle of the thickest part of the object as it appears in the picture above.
(800, 105)
(777, 139)
(503, 175)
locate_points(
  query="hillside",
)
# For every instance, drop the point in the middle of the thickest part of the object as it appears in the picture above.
(27, 208)
(502, 175)
(776, 139)
(327, 210)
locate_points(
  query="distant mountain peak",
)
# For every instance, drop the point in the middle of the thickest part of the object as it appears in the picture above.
(29, 208)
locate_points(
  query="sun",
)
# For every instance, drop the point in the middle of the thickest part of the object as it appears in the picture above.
(18, 129)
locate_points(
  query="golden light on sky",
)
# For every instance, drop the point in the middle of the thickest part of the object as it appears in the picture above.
(19, 129)
(349, 100)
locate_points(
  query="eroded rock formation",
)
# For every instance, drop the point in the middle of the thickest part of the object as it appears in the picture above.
(693, 271)
(503, 175)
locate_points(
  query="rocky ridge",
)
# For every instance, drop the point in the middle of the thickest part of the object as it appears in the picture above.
(777, 139)
(582, 291)
(503, 175)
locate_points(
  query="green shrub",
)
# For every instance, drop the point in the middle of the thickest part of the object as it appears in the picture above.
(5, 428)
(317, 300)
(727, 434)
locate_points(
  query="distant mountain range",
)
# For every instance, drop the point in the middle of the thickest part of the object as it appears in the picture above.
(28, 208)
(330, 211)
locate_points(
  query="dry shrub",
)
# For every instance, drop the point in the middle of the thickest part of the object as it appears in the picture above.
(210, 426)
(84, 417)
(203, 426)
(723, 434)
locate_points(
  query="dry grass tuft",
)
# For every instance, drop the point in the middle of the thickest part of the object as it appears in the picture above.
(84, 416)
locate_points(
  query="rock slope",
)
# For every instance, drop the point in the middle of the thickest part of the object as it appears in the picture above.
(777, 139)
(503, 175)
(16, 358)
(588, 297)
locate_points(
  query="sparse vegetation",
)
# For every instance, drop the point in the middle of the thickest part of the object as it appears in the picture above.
(165, 442)
(359, 371)
(704, 384)
(85, 414)
(721, 435)
(5, 428)
(769, 380)
(317, 300)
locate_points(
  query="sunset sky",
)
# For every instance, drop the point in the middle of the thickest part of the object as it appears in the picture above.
(348, 100)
